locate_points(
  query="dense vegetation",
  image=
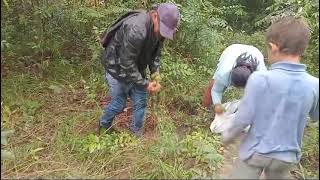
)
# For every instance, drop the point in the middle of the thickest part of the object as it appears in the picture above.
(53, 88)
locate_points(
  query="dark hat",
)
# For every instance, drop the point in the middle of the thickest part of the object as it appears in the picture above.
(240, 75)
(169, 16)
(246, 64)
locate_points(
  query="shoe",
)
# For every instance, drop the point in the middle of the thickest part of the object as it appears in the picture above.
(137, 133)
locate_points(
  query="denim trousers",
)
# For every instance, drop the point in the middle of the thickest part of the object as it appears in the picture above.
(120, 91)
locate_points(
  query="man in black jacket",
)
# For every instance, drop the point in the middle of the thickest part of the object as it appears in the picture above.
(136, 45)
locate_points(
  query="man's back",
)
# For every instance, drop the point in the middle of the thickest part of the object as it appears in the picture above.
(288, 94)
(133, 47)
(228, 58)
(230, 54)
(227, 62)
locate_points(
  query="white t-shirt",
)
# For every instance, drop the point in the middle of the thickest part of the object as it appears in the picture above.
(227, 61)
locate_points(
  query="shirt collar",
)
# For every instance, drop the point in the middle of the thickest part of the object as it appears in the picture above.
(289, 66)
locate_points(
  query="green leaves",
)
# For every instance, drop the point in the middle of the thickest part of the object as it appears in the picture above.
(109, 143)
(31, 107)
(56, 88)
(214, 158)
(94, 85)
(5, 2)
(202, 148)
(309, 10)
(198, 33)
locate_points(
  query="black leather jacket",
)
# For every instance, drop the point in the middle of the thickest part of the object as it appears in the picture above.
(133, 48)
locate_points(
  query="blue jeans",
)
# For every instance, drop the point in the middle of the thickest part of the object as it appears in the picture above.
(119, 94)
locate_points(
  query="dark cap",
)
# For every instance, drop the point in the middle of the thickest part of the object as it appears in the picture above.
(246, 64)
(169, 17)
(240, 76)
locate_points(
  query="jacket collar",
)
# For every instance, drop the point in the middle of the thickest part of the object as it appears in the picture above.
(288, 66)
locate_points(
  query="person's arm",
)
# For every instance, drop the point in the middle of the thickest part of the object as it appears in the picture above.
(314, 113)
(133, 39)
(246, 111)
(221, 77)
(217, 90)
(154, 68)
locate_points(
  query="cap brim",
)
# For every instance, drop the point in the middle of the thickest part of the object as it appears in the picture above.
(165, 31)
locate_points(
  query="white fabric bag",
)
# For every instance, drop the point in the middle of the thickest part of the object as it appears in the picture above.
(223, 121)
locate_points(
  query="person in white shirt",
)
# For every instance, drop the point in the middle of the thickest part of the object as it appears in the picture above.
(236, 63)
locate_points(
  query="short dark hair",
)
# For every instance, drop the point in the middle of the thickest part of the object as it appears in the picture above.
(246, 64)
(291, 34)
(240, 76)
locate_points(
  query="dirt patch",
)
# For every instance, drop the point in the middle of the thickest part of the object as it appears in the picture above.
(185, 106)
(87, 128)
(230, 154)
(190, 162)
(183, 130)
(67, 102)
(121, 123)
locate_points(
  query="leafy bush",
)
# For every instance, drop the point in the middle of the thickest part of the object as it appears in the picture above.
(108, 143)
(205, 149)
(309, 10)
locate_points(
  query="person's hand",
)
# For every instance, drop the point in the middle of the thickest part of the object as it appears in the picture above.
(153, 87)
(218, 109)
(157, 87)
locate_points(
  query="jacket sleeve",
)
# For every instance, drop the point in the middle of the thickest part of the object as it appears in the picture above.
(132, 43)
(155, 64)
(314, 112)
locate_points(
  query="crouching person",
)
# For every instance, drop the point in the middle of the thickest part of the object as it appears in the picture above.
(236, 63)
